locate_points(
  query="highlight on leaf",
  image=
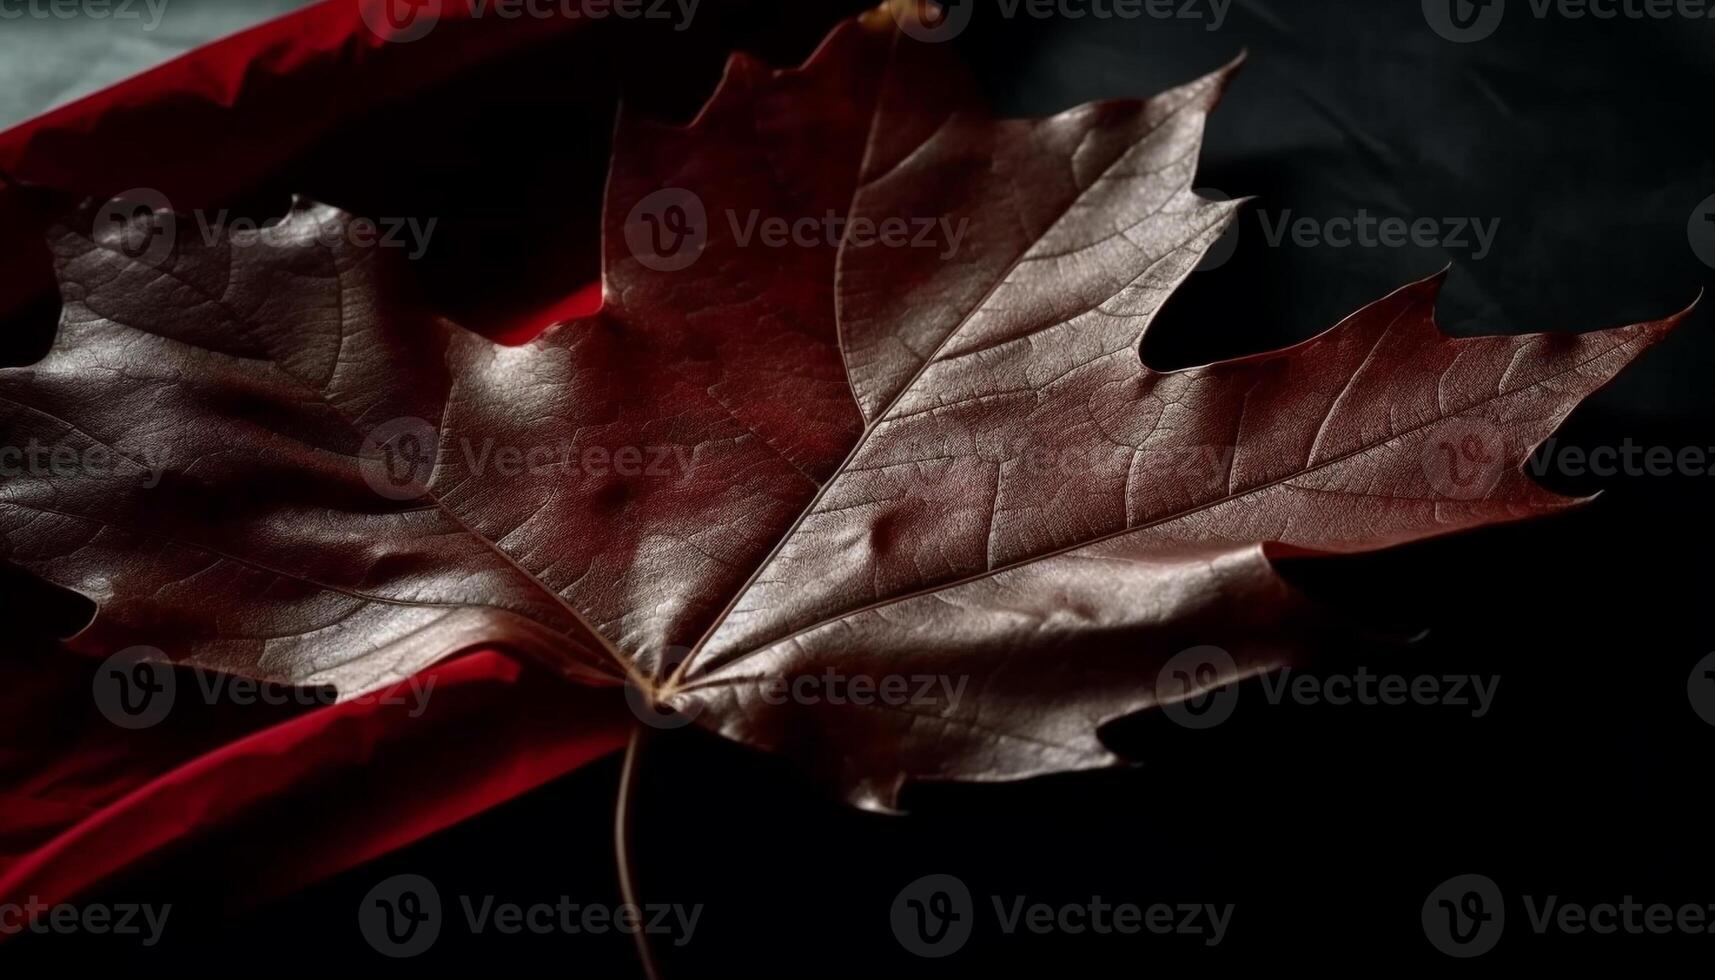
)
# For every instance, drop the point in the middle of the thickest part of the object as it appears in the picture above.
(795, 441)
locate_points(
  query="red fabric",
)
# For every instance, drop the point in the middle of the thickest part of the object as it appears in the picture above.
(208, 126)
(81, 800)
(326, 789)
(248, 102)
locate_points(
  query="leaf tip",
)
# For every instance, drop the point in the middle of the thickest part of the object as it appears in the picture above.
(1690, 308)
(1220, 78)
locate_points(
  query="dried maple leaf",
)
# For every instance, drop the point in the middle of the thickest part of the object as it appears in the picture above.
(761, 463)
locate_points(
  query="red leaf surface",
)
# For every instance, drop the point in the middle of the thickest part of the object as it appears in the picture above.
(881, 460)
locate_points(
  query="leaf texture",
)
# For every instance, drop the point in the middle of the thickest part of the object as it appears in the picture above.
(870, 459)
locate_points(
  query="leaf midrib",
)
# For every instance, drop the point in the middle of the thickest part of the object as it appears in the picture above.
(1164, 519)
(674, 678)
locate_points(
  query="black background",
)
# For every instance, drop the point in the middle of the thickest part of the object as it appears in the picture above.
(1327, 826)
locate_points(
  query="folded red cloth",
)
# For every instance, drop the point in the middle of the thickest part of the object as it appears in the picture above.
(327, 787)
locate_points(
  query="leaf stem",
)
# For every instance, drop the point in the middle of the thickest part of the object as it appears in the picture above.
(622, 817)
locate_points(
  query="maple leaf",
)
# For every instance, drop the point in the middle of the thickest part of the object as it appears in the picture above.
(844, 455)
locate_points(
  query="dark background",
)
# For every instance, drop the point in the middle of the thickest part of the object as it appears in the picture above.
(1327, 826)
